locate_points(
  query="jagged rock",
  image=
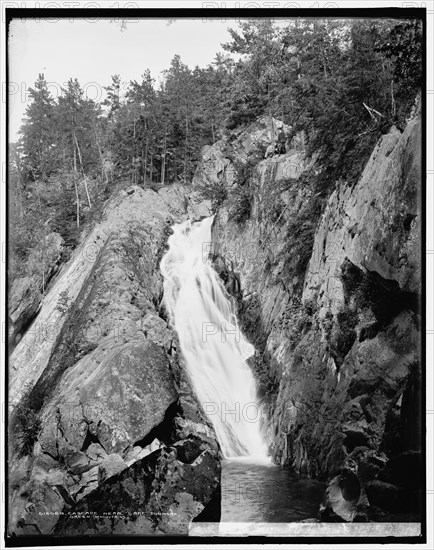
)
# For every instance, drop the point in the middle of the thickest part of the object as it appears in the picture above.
(159, 487)
(254, 140)
(225, 163)
(110, 466)
(96, 452)
(45, 470)
(44, 513)
(137, 453)
(369, 463)
(341, 497)
(187, 450)
(154, 446)
(88, 482)
(216, 168)
(345, 497)
(132, 454)
(76, 462)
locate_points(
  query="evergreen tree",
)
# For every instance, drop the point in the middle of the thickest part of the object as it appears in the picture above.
(37, 132)
(113, 99)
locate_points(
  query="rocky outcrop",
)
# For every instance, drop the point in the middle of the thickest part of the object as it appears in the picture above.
(26, 292)
(229, 162)
(102, 411)
(330, 298)
(24, 303)
(159, 494)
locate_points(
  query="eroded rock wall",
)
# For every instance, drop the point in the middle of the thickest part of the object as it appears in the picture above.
(106, 434)
(336, 332)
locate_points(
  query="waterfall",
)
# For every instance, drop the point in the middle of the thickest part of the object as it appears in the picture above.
(212, 345)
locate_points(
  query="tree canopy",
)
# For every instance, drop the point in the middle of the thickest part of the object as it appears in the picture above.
(343, 82)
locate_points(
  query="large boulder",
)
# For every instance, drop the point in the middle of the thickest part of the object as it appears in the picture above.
(159, 494)
(114, 396)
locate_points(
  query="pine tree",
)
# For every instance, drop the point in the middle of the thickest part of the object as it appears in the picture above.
(37, 132)
(113, 99)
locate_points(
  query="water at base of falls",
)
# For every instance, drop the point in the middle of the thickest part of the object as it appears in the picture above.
(265, 493)
(213, 347)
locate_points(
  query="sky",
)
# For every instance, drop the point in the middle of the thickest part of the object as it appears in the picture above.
(92, 51)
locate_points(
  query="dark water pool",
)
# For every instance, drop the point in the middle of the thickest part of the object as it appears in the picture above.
(262, 492)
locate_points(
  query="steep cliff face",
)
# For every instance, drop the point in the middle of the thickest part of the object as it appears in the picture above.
(26, 292)
(330, 298)
(106, 434)
(101, 410)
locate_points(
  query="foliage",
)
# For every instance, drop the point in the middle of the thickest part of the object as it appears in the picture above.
(255, 78)
(37, 140)
(343, 82)
(300, 234)
(343, 339)
(332, 78)
(300, 316)
(26, 423)
(215, 192)
(64, 302)
(239, 203)
(404, 46)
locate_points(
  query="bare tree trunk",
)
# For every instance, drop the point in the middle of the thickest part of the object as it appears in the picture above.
(82, 169)
(393, 99)
(163, 159)
(146, 160)
(42, 248)
(103, 170)
(270, 114)
(74, 177)
(20, 191)
(44, 244)
(186, 146)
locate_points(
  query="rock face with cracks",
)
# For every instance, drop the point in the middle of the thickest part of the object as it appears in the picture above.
(107, 436)
(330, 297)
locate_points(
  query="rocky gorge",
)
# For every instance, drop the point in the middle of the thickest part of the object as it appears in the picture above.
(106, 434)
(331, 299)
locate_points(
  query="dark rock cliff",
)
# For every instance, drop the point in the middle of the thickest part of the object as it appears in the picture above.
(330, 296)
(106, 435)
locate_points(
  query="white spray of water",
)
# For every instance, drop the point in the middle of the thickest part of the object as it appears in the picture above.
(211, 342)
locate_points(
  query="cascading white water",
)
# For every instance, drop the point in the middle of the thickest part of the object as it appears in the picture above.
(211, 342)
